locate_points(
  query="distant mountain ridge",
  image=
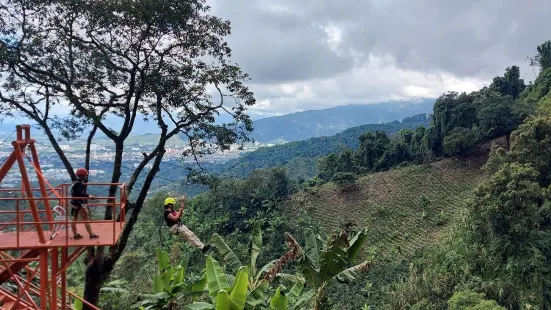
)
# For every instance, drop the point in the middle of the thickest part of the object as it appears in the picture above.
(316, 123)
(289, 127)
(310, 149)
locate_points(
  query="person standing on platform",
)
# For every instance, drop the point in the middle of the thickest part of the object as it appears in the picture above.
(78, 190)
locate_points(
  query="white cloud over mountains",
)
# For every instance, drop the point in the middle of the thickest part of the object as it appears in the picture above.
(315, 54)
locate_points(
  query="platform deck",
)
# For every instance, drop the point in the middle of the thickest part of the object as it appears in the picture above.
(29, 240)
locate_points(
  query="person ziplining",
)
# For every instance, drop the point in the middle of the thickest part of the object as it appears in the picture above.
(173, 220)
(78, 189)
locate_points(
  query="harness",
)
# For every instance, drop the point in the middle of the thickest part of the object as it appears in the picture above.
(76, 204)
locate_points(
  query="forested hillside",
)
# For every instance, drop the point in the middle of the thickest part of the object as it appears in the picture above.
(447, 224)
(300, 156)
(327, 122)
(405, 211)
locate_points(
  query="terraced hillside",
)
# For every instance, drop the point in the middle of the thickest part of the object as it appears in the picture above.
(406, 209)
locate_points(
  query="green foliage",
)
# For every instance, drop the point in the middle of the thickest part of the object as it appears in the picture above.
(322, 263)
(467, 300)
(258, 285)
(510, 84)
(302, 155)
(224, 296)
(496, 159)
(535, 96)
(170, 285)
(531, 144)
(543, 57)
(460, 122)
(79, 278)
(502, 248)
(278, 301)
(460, 141)
(344, 178)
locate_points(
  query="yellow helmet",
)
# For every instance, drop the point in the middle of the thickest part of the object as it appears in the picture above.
(170, 201)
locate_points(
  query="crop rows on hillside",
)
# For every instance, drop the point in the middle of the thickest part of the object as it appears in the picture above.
(405, 209)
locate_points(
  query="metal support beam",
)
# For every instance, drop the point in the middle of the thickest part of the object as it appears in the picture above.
(29, 191)
(41, 183)
(44, 279)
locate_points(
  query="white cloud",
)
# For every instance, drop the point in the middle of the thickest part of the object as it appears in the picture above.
(376, 80)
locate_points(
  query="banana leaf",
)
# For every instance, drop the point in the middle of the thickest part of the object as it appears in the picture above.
(313, 246)
(238, 291)
(356, 245)
(256, 296)
(279, 300)
(227, 253)
(333, 261)
(199, 306)
(223, 301)
(216, 278)
(295, 292)
(353, 273)
(303, 300)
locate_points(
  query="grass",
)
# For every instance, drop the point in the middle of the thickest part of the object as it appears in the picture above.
(405, 209)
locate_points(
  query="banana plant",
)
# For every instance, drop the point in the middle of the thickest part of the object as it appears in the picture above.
(322, 263)
(292, 300)
(258, 285)
(223, 296)
(170, 285)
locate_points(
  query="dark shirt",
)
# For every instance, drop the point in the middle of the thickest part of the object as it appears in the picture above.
(78, 190)
(168, 221)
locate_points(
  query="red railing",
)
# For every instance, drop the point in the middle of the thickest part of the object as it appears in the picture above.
(116, 202)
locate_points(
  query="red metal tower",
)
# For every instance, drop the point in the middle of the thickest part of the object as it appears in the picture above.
(35, 248)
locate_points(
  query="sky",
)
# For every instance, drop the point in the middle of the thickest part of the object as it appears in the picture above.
(316, 54)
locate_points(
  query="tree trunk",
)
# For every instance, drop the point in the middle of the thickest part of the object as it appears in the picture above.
(88, 146)
(117, 165)
(100, 269)
(57, 149)
(97, 272)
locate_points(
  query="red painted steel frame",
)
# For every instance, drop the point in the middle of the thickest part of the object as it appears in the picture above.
(52, 256)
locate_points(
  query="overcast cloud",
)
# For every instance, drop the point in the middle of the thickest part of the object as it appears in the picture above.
(313, 54)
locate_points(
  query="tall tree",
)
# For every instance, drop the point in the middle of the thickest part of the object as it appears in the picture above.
(510, 84)
(495, 114)
(371, 149)
(543, 58)
(163, 60)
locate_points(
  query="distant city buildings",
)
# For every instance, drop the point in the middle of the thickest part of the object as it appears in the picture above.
(102, 157)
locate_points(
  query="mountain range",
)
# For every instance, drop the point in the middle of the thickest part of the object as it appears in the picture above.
(327, 122)
(294, 126)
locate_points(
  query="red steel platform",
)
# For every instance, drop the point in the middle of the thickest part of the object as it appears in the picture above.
(35, 221)
(108, 235)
